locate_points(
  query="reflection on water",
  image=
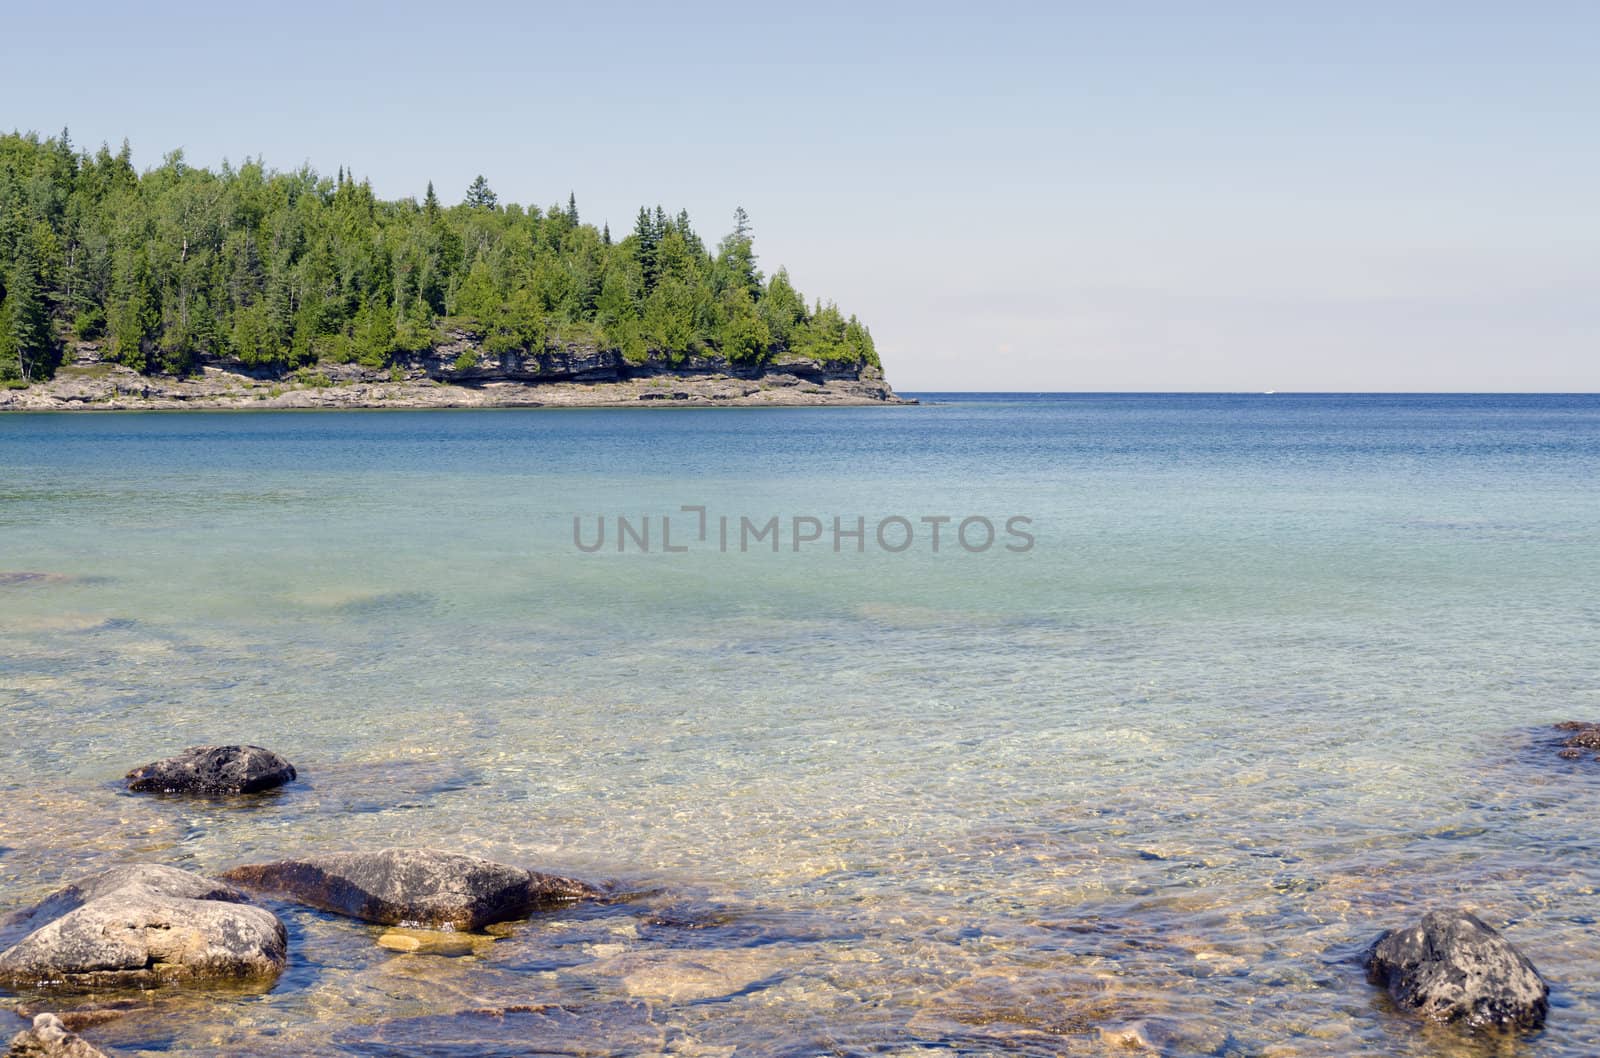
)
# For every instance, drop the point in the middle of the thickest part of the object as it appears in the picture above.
(1272, 681)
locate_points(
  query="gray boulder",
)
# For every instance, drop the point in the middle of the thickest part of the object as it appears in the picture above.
(142, 926)
(49, 1038)
(214, 770)
(422, 888)
(159, 880)
(1455, 968)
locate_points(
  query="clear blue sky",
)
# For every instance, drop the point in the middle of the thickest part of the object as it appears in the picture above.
(1119, 195)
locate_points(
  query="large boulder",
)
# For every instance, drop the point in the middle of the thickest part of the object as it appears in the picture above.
(421, 888)
(214, 770)
(49, 1038)
(150, 877)
(1455, 968)
(142, 926)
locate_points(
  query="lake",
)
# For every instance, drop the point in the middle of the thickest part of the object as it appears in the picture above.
(1255, 678)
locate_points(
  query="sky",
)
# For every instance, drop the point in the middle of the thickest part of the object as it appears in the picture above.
(1127, 196)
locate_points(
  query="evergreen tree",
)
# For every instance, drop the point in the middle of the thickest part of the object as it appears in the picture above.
(27, 317)
(479, 196)
(644, 248)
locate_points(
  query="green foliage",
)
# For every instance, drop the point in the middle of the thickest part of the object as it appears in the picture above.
(783, 309)
(28, 347)
(372, 335)
(744, 337)
(278, 270)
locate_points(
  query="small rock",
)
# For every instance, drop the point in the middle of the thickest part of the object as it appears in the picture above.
(143, 926)
(431, 942)
(214, 770)
(49, 1038)
(1455, 968)
(95, 1014)
(422, 888)
(399, 942)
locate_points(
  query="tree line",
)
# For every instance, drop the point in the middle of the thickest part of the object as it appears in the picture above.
(179, 264)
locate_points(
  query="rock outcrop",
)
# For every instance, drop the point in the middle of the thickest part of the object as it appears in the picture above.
(214, 770)
(422, 888)
(1454, 968)
(461, 373)
(142, 926)
(49, 1038)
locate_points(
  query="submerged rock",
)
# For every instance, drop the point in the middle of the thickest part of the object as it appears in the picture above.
(1583, 736)
(1455, 968)
(214, 770)
(623, 1027)
(690, 976)
(431, 942)
(9, 578)
(414, 887)
(143, 926)
(1167, 1036)
(49, 1038)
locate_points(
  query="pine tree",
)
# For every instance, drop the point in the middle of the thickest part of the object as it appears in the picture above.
(572, 208)
(27, 315)
(479, 196)
(644, 232)
(430, 203)
(690, 239)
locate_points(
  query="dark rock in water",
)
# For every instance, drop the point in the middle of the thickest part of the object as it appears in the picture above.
(214, 770)
(49, 1038)
(414, 887)
(1583, 736)
(143, 926)
(1454, 968)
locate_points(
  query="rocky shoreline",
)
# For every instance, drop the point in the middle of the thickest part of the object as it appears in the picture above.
(142, 928)
(460, 374)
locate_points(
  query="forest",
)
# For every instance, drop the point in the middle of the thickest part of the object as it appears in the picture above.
(177, 266)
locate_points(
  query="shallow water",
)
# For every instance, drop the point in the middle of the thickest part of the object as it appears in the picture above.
(1272, 679)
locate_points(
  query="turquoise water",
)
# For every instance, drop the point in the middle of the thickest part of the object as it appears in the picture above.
(1269, 680)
